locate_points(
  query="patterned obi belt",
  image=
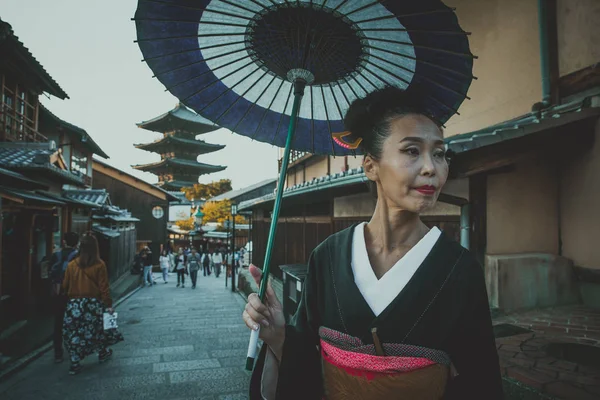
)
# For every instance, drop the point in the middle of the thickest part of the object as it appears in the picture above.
(352, 370)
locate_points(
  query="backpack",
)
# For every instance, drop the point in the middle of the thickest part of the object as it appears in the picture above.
(206, 261)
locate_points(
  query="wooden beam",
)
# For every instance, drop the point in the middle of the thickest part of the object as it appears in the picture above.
(11, 198)
(580, 81)
(17, 208)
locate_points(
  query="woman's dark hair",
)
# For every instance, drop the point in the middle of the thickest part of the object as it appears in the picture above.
(369, 118)
(71, 239)
(88, 251)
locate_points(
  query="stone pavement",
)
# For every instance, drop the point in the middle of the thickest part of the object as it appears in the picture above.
(528, 357)
(179, 344)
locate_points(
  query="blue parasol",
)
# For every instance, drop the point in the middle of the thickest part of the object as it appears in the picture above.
(285, 71)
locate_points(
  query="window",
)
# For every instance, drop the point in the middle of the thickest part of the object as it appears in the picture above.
(79, 163)
(18, 113)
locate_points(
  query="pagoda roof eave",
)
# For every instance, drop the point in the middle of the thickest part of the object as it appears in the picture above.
(179, 118)
(176, 185)
(176, 162)
(201, 146)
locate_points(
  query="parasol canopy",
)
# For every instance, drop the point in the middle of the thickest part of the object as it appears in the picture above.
(229, 60)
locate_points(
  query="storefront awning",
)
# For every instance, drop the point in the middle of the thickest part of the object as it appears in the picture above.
(20, 181)
(25, 197)
(67, 200)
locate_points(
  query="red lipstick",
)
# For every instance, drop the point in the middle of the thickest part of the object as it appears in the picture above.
(427, 190)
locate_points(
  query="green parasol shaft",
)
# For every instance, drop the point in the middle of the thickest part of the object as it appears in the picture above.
(299, 86)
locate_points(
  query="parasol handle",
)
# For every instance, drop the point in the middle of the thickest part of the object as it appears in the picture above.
(252, 347)
(299, 86)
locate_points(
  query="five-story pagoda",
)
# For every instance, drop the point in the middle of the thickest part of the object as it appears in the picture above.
(179, 148)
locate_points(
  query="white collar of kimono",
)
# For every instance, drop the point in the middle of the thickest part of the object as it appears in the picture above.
(379, 293)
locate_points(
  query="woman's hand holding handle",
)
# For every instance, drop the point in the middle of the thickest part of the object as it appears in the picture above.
(268, 315)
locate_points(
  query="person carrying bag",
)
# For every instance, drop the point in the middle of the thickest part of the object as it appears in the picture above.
(86, 286)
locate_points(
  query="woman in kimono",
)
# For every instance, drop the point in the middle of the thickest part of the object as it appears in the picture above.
(390, 308)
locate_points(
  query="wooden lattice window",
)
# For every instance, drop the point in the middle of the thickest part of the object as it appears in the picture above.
(18, 113)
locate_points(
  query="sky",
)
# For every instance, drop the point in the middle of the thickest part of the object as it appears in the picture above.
(87, 47)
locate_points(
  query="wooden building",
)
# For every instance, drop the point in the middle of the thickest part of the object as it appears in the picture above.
(33, 174)
(524, 176)
(74, 143)
(146, 202)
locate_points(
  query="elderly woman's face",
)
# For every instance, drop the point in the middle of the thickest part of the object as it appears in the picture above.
(413, 166)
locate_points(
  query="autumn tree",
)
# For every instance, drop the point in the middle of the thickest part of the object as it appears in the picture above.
(219, 211)
(186, 224)
(206, 191)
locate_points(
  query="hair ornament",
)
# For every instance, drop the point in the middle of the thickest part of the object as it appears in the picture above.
(338, 138)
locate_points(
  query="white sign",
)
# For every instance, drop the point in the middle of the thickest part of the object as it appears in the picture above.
(179, 213)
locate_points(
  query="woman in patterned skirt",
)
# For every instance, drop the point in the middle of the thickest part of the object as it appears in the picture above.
(86, 285)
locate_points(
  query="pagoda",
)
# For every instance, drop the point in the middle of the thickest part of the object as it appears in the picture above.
(179, 148)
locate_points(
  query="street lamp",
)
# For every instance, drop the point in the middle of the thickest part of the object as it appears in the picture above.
(198, 219)
(233, 214)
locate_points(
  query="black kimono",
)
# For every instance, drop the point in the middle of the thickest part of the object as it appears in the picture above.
(443, 307)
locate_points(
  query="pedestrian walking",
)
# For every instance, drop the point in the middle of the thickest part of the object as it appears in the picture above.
(59, 263)
(180, 261)
(193, 265)
(165, 265)
(217, 259)
(206, 261)
(236, 261)
(147, 261)
(86, 285)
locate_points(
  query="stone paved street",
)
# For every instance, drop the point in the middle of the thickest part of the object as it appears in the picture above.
(525, 357)
(179, 344)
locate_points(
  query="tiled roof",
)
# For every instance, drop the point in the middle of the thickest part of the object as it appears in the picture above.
(169, 196)
(179, 118)
(49, 85)
(23, 156)
(175, 185)
(588, 107)
(355, 175)
(181, 197)
(524, 125)
(49, 120)
(99, 197)
(66, 200)
(199, 146)
(15, 177)
(30, 197)
(105, 231)
(180, 162)
(232, 194)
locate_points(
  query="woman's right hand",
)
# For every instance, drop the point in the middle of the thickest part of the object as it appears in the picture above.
(269, 314)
